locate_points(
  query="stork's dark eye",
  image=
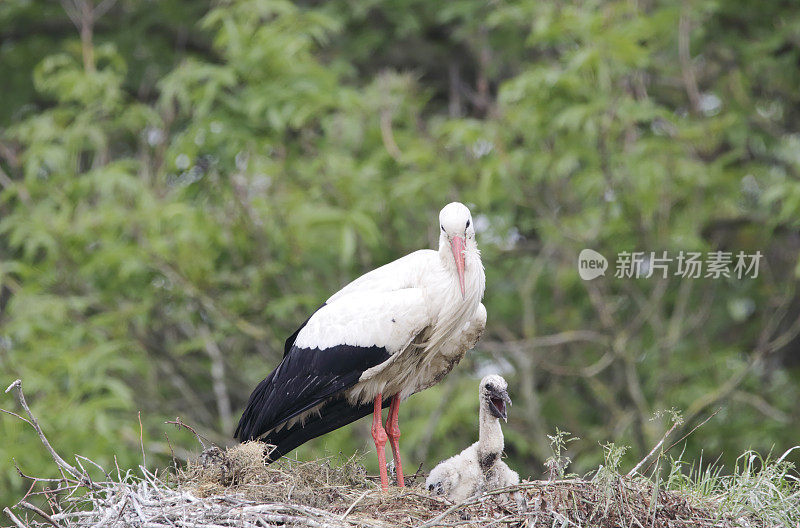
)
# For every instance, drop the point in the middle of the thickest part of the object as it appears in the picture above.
(442, 227)
(467, 223)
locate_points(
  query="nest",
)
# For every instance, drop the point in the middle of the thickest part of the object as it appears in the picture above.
(235, 487)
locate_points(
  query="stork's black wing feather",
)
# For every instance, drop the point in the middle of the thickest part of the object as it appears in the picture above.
(304, 379)
(336, 413)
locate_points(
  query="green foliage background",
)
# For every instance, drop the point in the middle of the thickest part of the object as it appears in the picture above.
(183, 182)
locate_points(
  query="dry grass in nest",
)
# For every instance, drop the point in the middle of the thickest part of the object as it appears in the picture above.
(343, 489)
(340, 486)
(242, 469)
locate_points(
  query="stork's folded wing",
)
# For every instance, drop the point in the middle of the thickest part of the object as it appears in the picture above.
(337, 344)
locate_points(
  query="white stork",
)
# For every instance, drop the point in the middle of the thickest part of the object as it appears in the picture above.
(478, 468)
(393, 332)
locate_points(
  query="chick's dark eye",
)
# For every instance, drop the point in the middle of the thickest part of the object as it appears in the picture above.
(467, 223)
(442, 227)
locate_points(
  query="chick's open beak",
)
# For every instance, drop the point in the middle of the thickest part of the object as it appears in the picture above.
(497, 404)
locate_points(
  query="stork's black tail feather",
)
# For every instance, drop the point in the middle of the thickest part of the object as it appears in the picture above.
(304, 379)
(334, 414)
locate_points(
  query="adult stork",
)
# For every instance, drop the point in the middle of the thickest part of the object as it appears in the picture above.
(392, 332)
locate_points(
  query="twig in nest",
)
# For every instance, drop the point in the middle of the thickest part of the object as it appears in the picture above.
(695, 428)
(40, 512)
(60, 462)
(141, 439)
(28, 477)
(347, 512)
(17, 416)
(178, 423)
(92, 462)
(13, 518)
(652, 451)
(171, 450)
(416, 473)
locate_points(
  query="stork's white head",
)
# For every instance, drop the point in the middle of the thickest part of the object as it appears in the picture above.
(456, 231)
(493, 394)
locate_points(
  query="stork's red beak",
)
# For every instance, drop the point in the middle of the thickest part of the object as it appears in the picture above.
(457, 245)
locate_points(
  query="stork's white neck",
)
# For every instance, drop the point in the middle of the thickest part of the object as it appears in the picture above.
(490, 434)
(474, 277)
(454, 310)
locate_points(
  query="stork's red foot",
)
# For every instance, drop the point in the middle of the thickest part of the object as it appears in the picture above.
(394, 437)
(380, 437)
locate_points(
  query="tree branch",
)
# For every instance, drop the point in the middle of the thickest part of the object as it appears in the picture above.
(687, 70)
(388, 136)
(7, 183)
(218, 378)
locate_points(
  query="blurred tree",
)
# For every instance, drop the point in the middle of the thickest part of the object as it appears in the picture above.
(182, 183)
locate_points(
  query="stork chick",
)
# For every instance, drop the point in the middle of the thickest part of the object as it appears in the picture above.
(478, 468)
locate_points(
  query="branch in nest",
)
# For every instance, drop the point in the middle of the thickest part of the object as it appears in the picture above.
(39, 511)
(13, 518)
(60, 462)
(178, 423)
(652, 451)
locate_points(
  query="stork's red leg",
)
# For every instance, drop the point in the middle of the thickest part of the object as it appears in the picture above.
(380, 437)
(394, 437)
